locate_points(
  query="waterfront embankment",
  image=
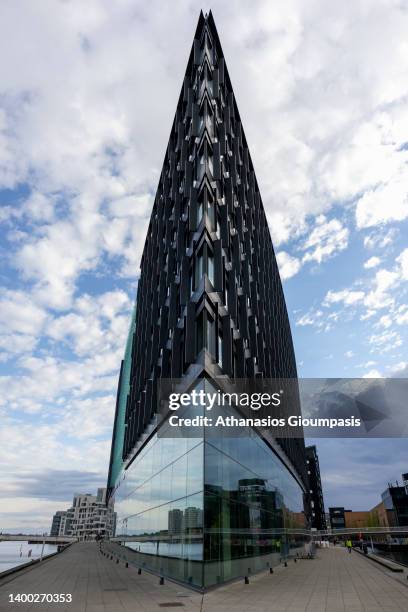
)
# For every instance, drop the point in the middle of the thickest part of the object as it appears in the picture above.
(15, 553)
(335, 581)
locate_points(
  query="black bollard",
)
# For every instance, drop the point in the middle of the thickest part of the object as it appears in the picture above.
(117, 560)
(271, 570)
(139, 571)
(285, 564)
(161, 580)
(294, 560)
(246, 580)
(126, 564)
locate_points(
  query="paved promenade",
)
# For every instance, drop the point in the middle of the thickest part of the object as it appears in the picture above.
(333, 582)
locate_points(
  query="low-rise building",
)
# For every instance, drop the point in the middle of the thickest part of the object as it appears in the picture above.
(337, 517)
(379, 516)
(356, 519)
(392, 511)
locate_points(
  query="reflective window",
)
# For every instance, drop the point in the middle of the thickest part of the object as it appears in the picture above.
(210, 345)
(225, 502)
(210, 264)
(211, 212)
(220, 349)
(198, 268)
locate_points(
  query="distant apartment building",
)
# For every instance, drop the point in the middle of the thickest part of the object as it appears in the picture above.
(188, 521)
(175, 521)
(58, 523)
(88, 517)
(193, 519)
(318, 515)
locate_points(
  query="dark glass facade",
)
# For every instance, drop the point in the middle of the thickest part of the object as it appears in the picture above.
(337, 518)
(395, 500)
(317, 511)
(205, 512)
(209, 304)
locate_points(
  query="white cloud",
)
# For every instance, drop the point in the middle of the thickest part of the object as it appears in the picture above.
(385, 279)
(39, 207)
(327, 238)
(311, 318)
(349, 354)
(402, 318)
(14, 344)
(386, 341)
(385, 321)
(288, 265)
(380, 239)
(107, 305)
(402, 260)
(373, 374)
(373, 262)
(399, 367)
(97, 324)
(346, 296)
(380, 297)
(367, 364)
(20, 314)
(368, 315)
(386, 203)
(56, 259)
(317, 319)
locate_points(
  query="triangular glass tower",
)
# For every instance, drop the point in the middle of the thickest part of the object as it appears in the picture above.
(209, 303)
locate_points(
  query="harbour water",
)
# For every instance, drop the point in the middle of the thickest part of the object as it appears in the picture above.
(193, 551)
(16, 553)
(398, 556)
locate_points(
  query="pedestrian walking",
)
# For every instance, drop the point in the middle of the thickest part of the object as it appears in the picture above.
(349, 545)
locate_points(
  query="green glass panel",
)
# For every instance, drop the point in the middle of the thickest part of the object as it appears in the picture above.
(117, 450)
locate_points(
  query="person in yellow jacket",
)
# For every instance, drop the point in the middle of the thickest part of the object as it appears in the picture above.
(349, 545)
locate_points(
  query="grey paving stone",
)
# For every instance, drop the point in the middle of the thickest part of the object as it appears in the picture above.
(333, 582)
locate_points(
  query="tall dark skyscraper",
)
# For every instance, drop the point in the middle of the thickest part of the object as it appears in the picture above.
(209, 304)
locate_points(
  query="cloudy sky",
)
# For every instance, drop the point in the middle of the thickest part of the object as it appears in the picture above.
(87, 97)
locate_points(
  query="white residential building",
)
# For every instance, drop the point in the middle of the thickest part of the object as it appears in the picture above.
(89, 516)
